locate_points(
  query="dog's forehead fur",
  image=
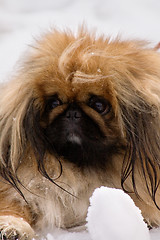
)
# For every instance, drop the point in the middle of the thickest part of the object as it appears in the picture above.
(71, 65)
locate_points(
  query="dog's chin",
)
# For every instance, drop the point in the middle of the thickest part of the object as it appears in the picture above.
(82, 150)
(71, 150)
(74, 139)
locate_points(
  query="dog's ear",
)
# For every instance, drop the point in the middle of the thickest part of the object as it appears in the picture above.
(138, 95)
(14, 101)
(142, 129)
(20, 130)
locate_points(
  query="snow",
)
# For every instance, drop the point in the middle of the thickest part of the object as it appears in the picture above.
(112, 215)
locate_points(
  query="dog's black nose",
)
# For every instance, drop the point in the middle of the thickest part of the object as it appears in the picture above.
(73, 113)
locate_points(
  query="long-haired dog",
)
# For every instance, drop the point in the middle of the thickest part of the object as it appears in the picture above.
(81, 112)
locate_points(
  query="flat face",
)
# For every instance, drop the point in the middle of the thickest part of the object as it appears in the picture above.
(80, 122)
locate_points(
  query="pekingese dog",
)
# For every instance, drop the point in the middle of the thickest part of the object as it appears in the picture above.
(81, 112)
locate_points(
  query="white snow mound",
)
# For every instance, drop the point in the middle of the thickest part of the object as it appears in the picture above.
(113, 215)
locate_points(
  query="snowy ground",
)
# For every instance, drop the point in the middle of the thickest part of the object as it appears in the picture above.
(20, 21)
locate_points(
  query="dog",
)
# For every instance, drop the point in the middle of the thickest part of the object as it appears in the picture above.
(82, 111)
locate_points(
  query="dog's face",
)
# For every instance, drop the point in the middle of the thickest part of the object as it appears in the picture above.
(87, 101)
(75, 135)
(80, 123)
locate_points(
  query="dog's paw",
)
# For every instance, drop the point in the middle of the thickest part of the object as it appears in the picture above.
(9, 234)
(14, 228)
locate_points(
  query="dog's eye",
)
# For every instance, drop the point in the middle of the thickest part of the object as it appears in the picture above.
(100, 105)
(53, 102)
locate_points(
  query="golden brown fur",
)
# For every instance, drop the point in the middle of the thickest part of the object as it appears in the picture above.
(127, 74)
